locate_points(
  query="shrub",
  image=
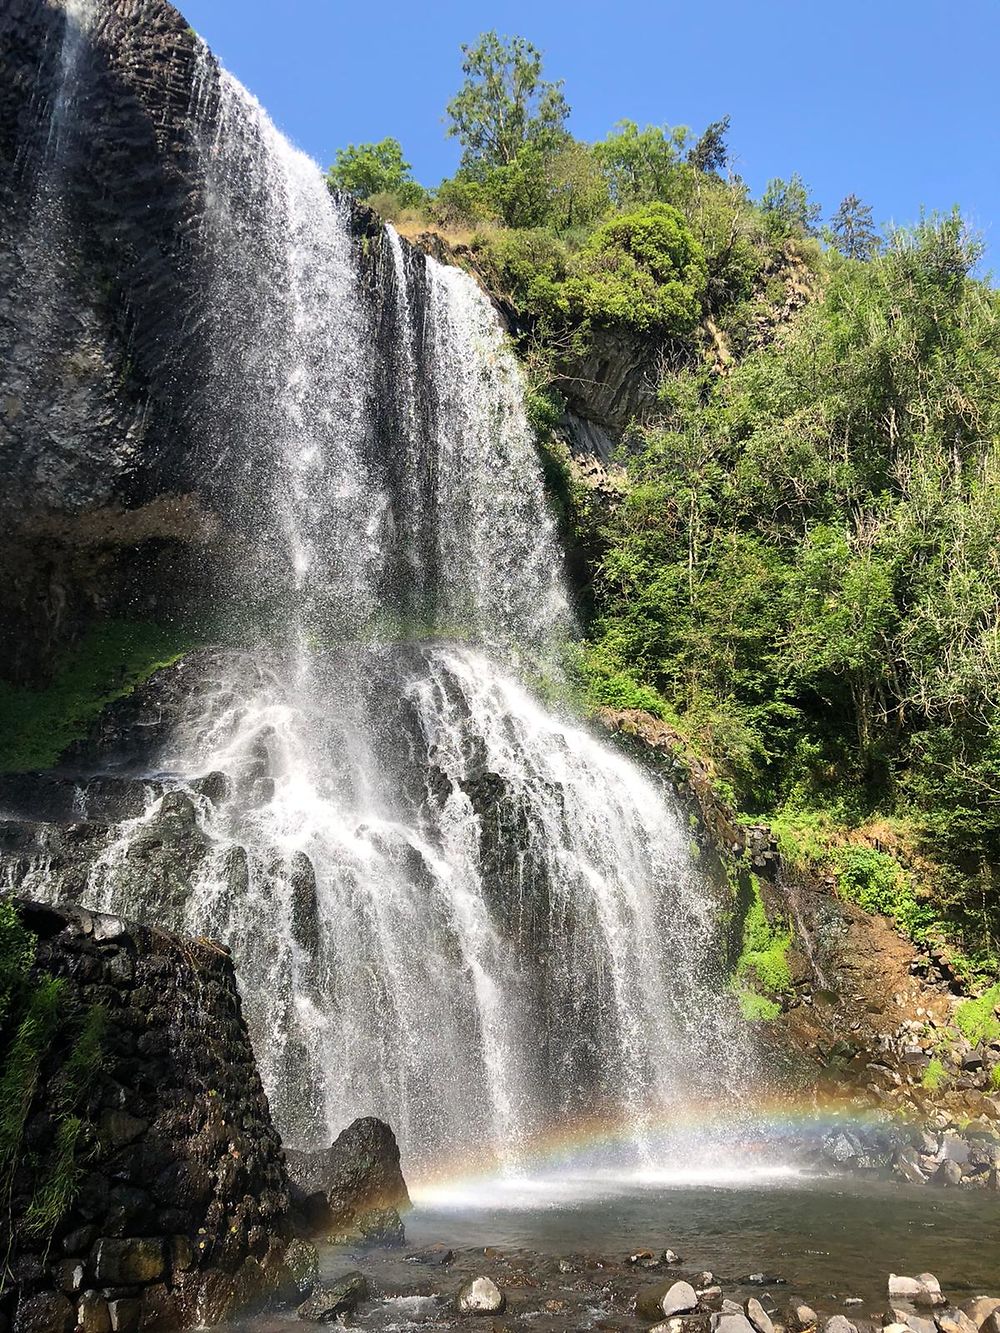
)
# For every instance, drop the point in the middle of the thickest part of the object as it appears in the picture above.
(643, 270)
(976, 1019)
(878, 883)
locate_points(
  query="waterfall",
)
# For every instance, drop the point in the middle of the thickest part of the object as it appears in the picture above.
(450, 904)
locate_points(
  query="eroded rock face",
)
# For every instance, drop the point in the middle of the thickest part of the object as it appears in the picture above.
(181, 1211)
(355, 1188)
(114, 499)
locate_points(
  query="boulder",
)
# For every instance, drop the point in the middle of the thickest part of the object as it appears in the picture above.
(481, 1296)
(801, 1318)
(129, 1260)
(680, 1298)
(301, 1267)
(360, 1177)
(758, 1316)
(727, 1322)
(952, 1320)
(49, 1312)
(840, 1324)
(949, 1172)
(980, 1308)
(328, 1303)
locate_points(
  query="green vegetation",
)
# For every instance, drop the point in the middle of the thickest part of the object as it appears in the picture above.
(798, 562)
(40, 1030)
(376, 171)
(761, 972)
(935, 1075)
(977, 1020)
(109, 662)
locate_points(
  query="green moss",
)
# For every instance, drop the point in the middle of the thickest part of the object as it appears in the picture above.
(758, 1008)
(115, 657)
(976, 1019)
(934, 1075)
(764, 955)
(760, 972)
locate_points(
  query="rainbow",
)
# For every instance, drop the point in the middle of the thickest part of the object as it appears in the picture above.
(695, 1142)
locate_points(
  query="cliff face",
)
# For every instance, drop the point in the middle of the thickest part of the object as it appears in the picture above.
(179, 1210)
(116, 487)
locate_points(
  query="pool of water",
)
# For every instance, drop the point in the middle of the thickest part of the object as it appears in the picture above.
(829, 1239)
(560, 1246)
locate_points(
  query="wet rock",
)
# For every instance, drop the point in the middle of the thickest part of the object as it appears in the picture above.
(123, 1262)
(48, 1312)
(440, 1255)
(839, 1324)
(758, 1316)
(948, 1173)
(305, 913)
(342, 1297)
(801, 1318)
(709, 1298)
(906, 1164)
(302, 1267)
(680, 1298)
(92, 1314)
(643, 1258)
(481, 1296)
(670, 1257)
(125, 1314)
(381, 1226)
(359, 1175)
(980, 1308)
(952, 1320)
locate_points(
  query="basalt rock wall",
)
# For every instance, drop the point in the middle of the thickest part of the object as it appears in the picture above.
(117, 481)
(178, 1213)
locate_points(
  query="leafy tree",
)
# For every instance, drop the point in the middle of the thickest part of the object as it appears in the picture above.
(374, 168)
(640, 165)
(504, 103)
(788, 208)
(577, 187)
(853, 230)
(710, 153)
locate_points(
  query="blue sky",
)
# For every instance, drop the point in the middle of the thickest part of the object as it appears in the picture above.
(895, 100)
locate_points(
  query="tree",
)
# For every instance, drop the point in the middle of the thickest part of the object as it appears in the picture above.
(365, 169)
(579, 192)
(639, 165)
(855, 235)
(788, 208)
(710, 152)
(504, 103)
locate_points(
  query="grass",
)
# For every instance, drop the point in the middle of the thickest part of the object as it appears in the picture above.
(39, 724)
(22, 1066)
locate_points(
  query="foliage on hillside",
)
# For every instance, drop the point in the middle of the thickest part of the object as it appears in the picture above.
(802, 568)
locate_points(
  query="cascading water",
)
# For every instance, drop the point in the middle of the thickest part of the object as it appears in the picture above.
(449, 904)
